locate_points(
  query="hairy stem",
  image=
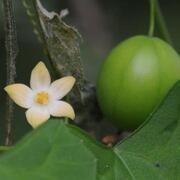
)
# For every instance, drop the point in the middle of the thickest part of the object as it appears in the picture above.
(11, 54)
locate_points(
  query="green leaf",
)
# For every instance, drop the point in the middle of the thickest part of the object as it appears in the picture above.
(153, 151)
(54, 151)
(61, 151)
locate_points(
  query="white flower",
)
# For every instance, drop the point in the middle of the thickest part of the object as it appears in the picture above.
(43, 98)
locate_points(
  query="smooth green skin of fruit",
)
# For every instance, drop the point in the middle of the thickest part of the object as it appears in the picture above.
(135, 78)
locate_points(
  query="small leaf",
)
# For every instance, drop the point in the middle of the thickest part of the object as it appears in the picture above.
(61, 151)
(60, 41)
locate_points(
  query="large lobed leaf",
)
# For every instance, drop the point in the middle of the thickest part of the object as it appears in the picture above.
(61, 151)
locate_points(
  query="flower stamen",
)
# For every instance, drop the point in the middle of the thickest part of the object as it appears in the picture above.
(42, 98)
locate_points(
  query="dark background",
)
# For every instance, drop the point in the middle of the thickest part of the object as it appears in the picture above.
(102, 23)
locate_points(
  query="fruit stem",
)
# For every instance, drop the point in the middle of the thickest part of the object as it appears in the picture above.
(152, 17)
(162, 24)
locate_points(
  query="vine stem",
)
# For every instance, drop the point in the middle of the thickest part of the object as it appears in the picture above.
(156, 14)
(162, 24)
(11, 54)
(152, 17)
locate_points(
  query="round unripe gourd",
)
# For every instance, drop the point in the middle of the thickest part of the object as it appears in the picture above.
(135, 78)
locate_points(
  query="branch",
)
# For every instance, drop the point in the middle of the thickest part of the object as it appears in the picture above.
(11, 54)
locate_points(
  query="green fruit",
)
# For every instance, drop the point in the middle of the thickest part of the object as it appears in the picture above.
(135, 78)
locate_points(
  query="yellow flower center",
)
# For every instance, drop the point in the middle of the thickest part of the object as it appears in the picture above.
(42, 98)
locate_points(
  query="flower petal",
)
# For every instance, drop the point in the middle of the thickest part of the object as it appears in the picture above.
(61, 109)
(20, 94)
(36, 116)
(61, 87)
(40, 77)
